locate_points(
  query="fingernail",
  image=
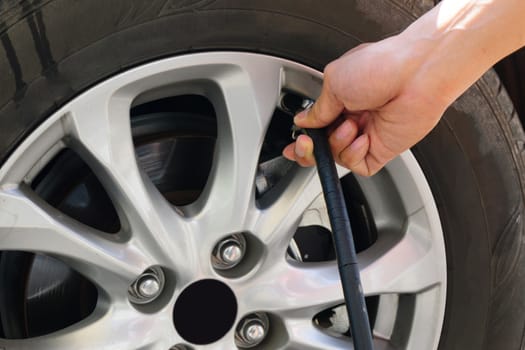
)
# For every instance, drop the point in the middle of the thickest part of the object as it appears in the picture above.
(300, 116)
(299, 151)
(343, 131)
(359, 142)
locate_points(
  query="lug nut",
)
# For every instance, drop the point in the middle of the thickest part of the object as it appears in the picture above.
(252, 330)
(147, 287)
(229, 252)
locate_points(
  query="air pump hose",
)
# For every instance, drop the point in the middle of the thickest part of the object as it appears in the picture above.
(343, 239)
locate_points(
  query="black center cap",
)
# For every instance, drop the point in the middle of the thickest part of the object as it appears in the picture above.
(205, 312)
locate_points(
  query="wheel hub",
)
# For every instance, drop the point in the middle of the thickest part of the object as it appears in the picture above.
(205, 311)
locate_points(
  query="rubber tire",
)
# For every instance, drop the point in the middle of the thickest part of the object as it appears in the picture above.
(54, 49)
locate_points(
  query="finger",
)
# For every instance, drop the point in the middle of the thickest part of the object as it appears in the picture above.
(372, 165)
(325, 110)
(335, 124)
(353, 157)
(289, 153)
(304, 151)
(342, 136)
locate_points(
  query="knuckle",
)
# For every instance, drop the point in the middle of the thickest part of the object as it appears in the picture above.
(347, 163)
(329, 70)
(349, 159)
(320, 114)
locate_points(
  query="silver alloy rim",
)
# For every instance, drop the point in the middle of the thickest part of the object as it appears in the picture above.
(406, 263)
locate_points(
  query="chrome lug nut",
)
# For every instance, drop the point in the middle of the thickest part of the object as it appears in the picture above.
(147, 287)
(229, 252)
(252, 330)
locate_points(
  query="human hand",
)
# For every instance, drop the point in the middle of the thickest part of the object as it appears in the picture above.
(376, 105)
(380, 99)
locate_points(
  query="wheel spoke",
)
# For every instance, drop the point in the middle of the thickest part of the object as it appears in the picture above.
(406, 266)
(29, 224)
(296, 289)
(101, 134)
(277, 224)
(301, 203)
(304, 335)
(113, 329)
(245, 101)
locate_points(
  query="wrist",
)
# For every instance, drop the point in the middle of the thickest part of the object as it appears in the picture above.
(452, 45)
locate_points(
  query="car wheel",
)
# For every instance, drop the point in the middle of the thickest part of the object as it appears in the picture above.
(145, 204)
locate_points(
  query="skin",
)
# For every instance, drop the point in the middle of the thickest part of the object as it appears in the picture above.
(379, 99)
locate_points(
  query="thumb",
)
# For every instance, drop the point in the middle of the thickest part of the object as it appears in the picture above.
(324, 111)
